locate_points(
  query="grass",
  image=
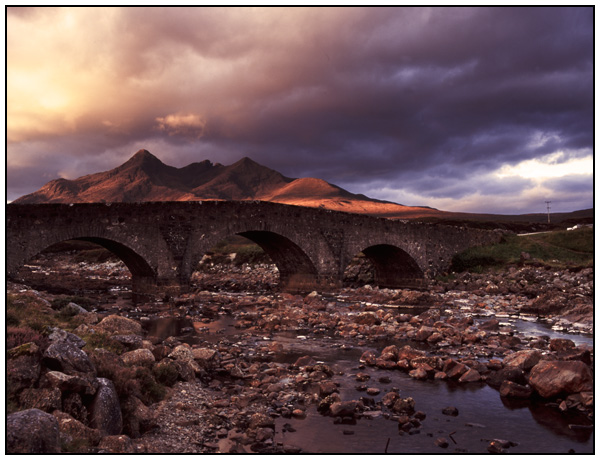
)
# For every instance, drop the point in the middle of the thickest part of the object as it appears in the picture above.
(560, 249)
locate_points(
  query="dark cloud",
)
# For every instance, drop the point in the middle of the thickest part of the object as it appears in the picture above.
(424, 101)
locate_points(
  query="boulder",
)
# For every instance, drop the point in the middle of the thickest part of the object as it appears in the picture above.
(561, 344)
(510, 389)
(424, 332)
(419, 374)
(450, 410)
(369, 358)
(343, 408)
(470, 376)
(59, 335)
(524, 359)
(140, 418)
(67, 357)
(71, 383)
(74, 430)
(140, 357)
(205, 357)
(22, 372)
(404, 405)
(409, 353)
(129, 341)
(32, 432)
(119, 325)
(105, 410)
(259, 419)
(554, 378)
(513, 374)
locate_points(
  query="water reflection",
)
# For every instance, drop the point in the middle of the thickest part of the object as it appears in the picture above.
(483, 414)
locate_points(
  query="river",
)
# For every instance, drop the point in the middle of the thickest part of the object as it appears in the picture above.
(531, 426)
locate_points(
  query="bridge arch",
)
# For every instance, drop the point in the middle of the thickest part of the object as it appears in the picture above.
(294, 261)
(393, 266)
(137, 252)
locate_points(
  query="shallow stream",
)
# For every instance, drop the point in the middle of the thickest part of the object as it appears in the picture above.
(530, 426)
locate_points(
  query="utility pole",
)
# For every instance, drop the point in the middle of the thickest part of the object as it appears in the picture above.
(548, 208)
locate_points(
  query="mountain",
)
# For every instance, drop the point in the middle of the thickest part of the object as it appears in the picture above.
(145, 178)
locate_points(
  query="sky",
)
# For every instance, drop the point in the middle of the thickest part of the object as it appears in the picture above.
(461, 108)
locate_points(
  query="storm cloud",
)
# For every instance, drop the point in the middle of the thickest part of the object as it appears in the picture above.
(422, 106)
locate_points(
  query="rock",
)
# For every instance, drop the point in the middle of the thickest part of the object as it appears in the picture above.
(390, 398)
(71, 383)
(32, 432)
(510, 389)
(66, 357)
(513, 374)
(305, 361)
(419, 374)
(327, 388)
(553, 378)
(59, 335)
(139, 357)
(119, 325)
(404, 406)
(373, 391)
(343, 408)
(116, 444)
(424, 332)
(389, 353)
(105, 410)
(76, 430)
(561, 344)
(575, 354)
(524, 359)
(139, 418)
(409, 353)
(455, 372)
(22, 372)
(490, 325)
(367, 319)
(205, 357)
(441, 442)
(495, 447)
(368, 357)
(45, 399)
(129, 341)
(73, 405)
(259, 419)
(450, 410)
(470, 376)
(362, 377)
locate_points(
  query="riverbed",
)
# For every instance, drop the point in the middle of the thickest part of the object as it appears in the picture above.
(530, 426)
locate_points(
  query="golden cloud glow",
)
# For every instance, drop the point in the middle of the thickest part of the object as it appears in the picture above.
(188, 124)
(548, 166)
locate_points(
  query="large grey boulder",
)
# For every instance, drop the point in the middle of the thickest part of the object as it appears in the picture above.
(32, 432)
(105, 410)
(65, 356)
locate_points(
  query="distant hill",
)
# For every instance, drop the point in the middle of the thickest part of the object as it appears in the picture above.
(145, 178)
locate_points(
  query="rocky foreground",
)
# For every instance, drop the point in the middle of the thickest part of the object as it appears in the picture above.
(111, 386)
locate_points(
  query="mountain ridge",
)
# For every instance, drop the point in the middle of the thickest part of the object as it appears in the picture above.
(144, 177)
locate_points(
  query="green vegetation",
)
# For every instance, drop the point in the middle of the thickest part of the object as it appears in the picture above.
(560, 249)
(28, 310)
(247, 252)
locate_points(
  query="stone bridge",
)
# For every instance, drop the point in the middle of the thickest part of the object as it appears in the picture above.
(161, 242)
